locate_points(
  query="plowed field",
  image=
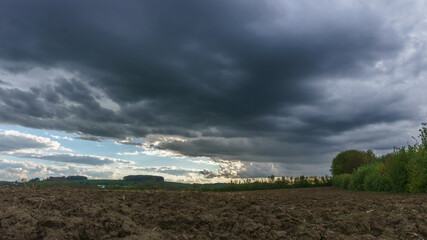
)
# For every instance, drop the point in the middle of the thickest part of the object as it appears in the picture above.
(311, 213)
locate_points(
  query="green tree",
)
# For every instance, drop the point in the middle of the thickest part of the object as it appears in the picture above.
(348, 161)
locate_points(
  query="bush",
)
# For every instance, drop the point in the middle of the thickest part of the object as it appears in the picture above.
(342, 181)
(375, 182)
(417, 165)
(417, 171)
(396, 168)
(358, 180)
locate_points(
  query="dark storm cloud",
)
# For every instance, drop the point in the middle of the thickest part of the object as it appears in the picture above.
(4, 83)
(90, 138)
(55, 108)
(167, 170)
(232, 76)
(254, 149)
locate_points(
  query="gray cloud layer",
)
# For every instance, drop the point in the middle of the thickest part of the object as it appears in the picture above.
(72, 158)
(276, 81)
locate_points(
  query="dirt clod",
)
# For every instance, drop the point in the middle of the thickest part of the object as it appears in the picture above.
(312, 213)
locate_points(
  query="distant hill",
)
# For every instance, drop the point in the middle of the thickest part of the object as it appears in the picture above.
(69, 178)
(142, 178)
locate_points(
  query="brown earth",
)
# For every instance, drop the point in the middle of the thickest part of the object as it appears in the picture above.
(312, 213)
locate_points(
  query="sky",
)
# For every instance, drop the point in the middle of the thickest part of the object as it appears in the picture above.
(205, 91)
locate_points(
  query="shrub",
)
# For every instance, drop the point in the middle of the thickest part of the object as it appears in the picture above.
(417, 171)
(358, 180)
(396, 168)
(417, 165)
(378, 183)
(342, 181)
(375, 180)
(407, 166)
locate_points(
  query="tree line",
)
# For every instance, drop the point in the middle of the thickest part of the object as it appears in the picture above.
(403, 170)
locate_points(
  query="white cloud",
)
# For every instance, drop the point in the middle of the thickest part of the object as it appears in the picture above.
(11, 140)
(16, 170)
(152, 152)
(64, 138)
(129, 153)
(24, 145)
(163, 153)
(65, 149)
(204, 161)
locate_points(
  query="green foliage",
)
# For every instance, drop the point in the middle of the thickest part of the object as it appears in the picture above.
(417, 166)
(423, 135)
(365, 178)
(374, 180)
(404, 170)
(418, 176)
(359, 175)
(348, 161)
(377, 183)
(407, 167)
(417, 170)
(342, 181)
(395, 166)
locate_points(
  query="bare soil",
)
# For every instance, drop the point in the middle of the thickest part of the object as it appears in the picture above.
(311, 213)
